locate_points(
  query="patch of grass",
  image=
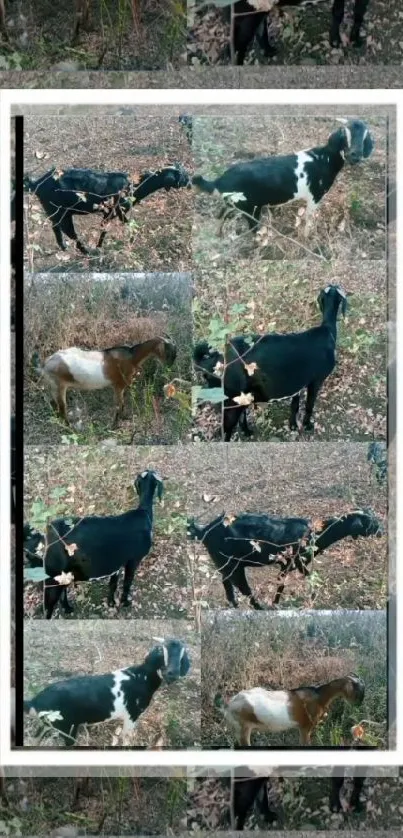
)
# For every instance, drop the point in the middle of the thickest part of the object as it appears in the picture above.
(350, 222)
(105, 805)
(301, 37)
(282, 297)
(99, 481)
(158, 237)
(311, 480)
(59, 650)
(93, 314)
(285, 652)
(41, 37)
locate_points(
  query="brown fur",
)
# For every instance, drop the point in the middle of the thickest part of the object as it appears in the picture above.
(120, 365)
(307, 706)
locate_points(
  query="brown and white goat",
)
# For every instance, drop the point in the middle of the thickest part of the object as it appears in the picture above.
(281, 710)
(84, 369)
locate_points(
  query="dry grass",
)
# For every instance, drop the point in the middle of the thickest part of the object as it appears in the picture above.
(54, 651)
(309, 480)
(117, 39)
(122, 805)
(158, 235)
(350, 219)
(282, 297)
(301, 37)
(81, 480)
(284, 651)
(93, 314)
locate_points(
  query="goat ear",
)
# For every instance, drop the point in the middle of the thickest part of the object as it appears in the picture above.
(343, 306)
(369, 145)
(160, 489)
(185, 664)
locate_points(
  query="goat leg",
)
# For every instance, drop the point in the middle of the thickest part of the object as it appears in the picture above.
(127, 583)
(311, 394)
(51, 594)
(64, 602)
(113, 583)
(294, 413)
(337, 20)
(241, 582)
(229, 590)
(359, 12)
(334, 796)
(355, 802)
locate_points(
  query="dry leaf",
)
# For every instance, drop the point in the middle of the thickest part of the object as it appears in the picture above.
(358, 731)
(70, 549)
(64, 578)
(256, 546)
(251, 368)
(228, 520)
(244, 399)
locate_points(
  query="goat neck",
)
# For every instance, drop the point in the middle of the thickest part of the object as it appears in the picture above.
(150, 182)
(146, 501)
(202, 532)
(146, 674)
(327, 693)
(331, 307)
(334, 529)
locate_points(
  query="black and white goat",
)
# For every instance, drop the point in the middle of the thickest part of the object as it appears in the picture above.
(123, 695)
(259, 540)
(272, 367)
(94, 547)
(305, 175)
(64, 194)
(249, 23)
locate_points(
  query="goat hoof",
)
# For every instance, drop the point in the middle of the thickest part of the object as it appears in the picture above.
(335, 39)
(111, 603)
(309, 427)
(125, 603)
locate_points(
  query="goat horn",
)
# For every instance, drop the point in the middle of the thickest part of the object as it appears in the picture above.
(342, 120)
(159, 639)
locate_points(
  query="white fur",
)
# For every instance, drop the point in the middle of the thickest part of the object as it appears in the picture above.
(119, 707)
(271, 708)
(303, 192)
(86, 366)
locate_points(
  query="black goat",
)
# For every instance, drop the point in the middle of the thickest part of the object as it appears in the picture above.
(305, 175)
(95, 546)
(254, 791)
(272, 366)
(205, 360)
(13, 469)
(83, 191)
(258, 540)
(249, 23)
(124, 694)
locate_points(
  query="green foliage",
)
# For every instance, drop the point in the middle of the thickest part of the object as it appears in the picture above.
(209, 394)
(40, 513)
(35, 574)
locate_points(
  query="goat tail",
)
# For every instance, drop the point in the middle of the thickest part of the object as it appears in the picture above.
(200, 351)
(204, 185)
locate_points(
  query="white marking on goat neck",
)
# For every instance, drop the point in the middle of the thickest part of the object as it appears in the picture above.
(119, 710)
(271, 707)
(303, 191)
(348, 136)
(165, 653)
(87, 367)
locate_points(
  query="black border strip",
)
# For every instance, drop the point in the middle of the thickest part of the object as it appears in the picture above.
(19, 476)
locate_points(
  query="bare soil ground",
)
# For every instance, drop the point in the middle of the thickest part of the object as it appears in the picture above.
(158, 235)
(81, 480)
(301, 37)
(302, 804)
(350, 221)
(309, 480)
(105, 805)
(282, 297)
(240, 651)
(54, 651)
(95, 312)
(41, 36)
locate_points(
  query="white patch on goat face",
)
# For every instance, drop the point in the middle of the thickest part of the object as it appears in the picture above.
(165, 653)
(86, 367)
(144, 473)
(271, 708)
(348, 136)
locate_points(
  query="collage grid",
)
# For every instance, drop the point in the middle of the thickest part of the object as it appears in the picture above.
(203, 438)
